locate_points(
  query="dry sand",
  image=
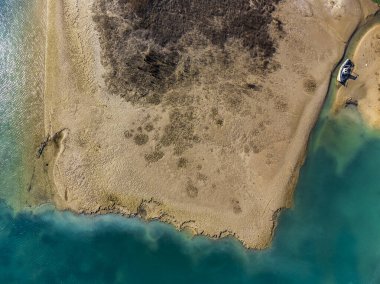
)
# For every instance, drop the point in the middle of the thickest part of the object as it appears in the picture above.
(243, 170)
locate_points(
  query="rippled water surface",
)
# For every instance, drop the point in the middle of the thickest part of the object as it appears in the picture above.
(21, 90)
(330, 236)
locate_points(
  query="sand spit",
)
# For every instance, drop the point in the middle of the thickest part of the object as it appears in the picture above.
(217, 154)
(365, 90)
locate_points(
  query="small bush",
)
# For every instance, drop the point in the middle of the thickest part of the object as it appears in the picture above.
(128, 134)
(182, 162)
(141, 139)
(155, 156)
(191, 190)
(149, 127)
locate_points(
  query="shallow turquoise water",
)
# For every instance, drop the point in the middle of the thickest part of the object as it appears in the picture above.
(20, 95)
(332, 235)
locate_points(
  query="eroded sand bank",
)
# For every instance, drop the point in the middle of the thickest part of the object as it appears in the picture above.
(249, 145)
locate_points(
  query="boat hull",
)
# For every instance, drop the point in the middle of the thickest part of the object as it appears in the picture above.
(342, 78)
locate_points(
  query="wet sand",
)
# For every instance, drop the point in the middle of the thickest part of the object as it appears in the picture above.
(240, 174)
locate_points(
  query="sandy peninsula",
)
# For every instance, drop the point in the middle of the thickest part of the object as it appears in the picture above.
(200, 119)
(365, 90)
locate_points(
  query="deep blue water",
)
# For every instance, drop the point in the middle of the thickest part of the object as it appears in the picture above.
(331, 235)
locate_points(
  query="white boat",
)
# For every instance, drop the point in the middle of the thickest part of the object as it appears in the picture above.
(345, 71)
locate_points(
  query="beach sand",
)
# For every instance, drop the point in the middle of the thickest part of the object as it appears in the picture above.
(247, 146)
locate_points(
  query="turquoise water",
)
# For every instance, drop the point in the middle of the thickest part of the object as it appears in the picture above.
(332, 234)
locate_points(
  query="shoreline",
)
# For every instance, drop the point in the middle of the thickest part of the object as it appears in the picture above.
(142, 206)
(31, 130)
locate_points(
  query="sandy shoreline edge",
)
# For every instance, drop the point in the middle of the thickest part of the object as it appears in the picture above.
(72, 67)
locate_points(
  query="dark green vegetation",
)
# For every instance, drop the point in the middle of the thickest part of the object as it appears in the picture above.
(141, 139)
(128, 134)
(182, 162)
(158, 51)
(144, 41)
(154, 156)
(180, 132)
(310, 85)
(192, 191)
(149, 127)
